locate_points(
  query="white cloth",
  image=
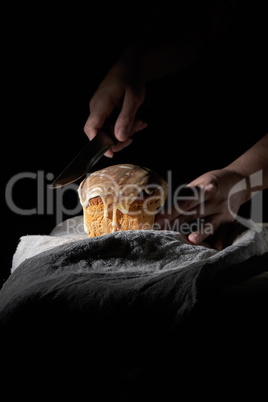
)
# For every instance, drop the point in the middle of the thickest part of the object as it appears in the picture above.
(252, 241)
(138, 273)
(66, 232)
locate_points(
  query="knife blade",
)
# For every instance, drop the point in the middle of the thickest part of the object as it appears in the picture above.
(85, 159)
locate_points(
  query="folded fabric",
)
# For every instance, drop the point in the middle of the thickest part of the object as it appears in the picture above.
(149, 272)
(68, 231)
(137, 249)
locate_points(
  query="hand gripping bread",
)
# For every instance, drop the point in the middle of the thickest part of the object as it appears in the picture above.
(121, 197)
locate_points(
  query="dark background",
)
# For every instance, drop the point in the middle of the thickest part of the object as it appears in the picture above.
(199, 119)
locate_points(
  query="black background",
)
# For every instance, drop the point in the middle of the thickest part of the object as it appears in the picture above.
(54, 58)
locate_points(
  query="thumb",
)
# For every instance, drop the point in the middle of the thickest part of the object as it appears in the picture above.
(126, 118)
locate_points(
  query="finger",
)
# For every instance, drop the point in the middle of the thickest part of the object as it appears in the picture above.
(165, 217)
(122, 145)
(97, 117)
(182, 203)
(187, 198)
(193, 200)
(126, 118)
(94, 123)
(109, 153)
(185, 215)
(138, 126)
(201, 211)
(207, 228)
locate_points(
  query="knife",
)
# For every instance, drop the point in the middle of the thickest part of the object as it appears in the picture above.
(86, 158)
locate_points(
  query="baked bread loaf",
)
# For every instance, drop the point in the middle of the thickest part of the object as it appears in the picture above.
(121, 197)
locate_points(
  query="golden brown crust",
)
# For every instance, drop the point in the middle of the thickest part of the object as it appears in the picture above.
(137, 219)
(121, 197)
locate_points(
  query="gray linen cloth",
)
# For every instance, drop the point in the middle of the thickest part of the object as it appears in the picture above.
(152, 271)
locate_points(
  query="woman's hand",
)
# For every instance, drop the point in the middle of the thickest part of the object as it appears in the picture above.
(123, 88)
(207, 205)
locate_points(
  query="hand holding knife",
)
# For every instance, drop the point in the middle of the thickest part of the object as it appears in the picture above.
(89, 155)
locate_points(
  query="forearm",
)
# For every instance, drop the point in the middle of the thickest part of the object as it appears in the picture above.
(253, 165)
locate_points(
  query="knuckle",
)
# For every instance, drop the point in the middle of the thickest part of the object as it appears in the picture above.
(89, 128)
(86, 129)
(212, 187)
(90, 123)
